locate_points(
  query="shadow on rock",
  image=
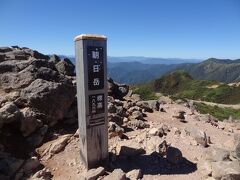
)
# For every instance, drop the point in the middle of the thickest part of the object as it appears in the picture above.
(153, 164)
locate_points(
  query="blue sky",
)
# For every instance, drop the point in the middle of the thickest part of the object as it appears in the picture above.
(154, 28)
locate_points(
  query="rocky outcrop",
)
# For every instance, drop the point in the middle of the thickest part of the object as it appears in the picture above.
(65, 67)
(36, 93)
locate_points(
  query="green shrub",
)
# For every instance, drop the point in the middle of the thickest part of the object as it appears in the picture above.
(146, 92)
(218, 112)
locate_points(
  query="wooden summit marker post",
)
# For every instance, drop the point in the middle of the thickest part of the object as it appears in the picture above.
(91, 72)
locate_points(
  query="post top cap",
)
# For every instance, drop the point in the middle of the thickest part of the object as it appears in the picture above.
(90, 36)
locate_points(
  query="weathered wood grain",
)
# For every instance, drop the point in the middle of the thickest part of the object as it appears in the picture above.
(93, 139)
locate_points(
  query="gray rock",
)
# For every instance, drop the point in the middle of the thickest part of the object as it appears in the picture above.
(118, 102)
(116, 118)
(66, 67)
(93, 174)
(2, 57)
(136, 97)
(237, 137)
(137, 115)
(52, 99)
(222, 168)
(117, 91)
(9, 165)
(134, 174)
(238, 151)
(9, 113)
(59, 144)
(115, 130)
(111, 108)
(55, 59)
(36, 54)
(43, 174)
(199, 136)
(17, 54)
(145, 105)
(154, 104)
(217, 154)
(11, 81)
(36, 138)
(137, 124)
(156, 132)
(117, 174)
(231, 177)
(163, 149)
(30, 165)
(122, 111)
(29, 121)
(13, 66)
(174, 155)
(133, 108)
(5, 49)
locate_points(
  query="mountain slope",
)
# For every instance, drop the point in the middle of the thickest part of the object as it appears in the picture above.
(180, 84)
(135, 72)
(222, 70)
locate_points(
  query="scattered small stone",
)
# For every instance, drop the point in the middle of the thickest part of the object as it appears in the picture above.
(117, 174)
(134, 174)
(114, 130)
(217, 154)
(163, 148)
(93, 174)
(138, 124)
(43, 174)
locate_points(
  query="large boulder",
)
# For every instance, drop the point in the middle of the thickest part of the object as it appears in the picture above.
(51, 99)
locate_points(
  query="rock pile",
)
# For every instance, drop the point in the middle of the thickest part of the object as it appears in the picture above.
(36, 93)
(128, 113)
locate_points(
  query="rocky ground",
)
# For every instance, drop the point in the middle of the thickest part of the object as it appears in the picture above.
(159, 139)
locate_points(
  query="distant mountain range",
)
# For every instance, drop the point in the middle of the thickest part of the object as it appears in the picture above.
(144, 60)
(135, 70)
(222, 70)
(151, 60)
